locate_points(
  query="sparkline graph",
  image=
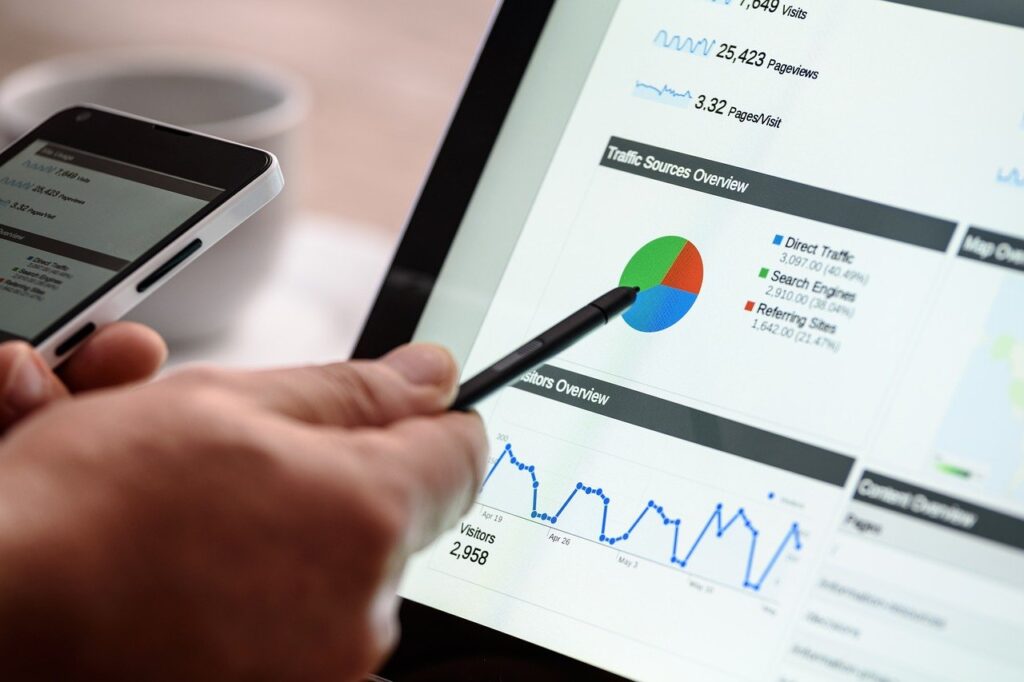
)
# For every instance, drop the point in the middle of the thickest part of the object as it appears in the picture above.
(663, 94)
(715, 527)
(17, 184)
(700, 47)
(1013, 177)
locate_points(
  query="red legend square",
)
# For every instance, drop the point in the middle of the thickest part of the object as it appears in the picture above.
(749, 306)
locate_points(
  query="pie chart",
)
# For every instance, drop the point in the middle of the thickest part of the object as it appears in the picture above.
(669, 272)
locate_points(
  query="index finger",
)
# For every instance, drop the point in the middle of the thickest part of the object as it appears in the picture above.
(438, 464)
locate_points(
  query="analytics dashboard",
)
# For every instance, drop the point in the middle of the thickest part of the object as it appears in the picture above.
(800, 454)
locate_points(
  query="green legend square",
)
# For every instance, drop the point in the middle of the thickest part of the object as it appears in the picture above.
(763, 274)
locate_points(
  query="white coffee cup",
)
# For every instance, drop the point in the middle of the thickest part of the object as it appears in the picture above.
(221, 94)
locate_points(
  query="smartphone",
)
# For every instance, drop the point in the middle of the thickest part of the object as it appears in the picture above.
(98, 208)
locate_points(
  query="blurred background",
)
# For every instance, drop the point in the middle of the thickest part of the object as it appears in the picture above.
(295, 282)
(383, 75)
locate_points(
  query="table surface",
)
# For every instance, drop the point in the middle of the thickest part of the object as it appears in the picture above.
(384, 75)
(312, 305)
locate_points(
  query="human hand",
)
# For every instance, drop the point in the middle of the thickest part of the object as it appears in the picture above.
(228, 525)
(120, 353)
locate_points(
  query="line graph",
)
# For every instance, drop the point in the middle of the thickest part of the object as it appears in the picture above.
(17, 184)
(664, 94)
(700, 47)
(41, 167)
(715, 527)
(1014, 177)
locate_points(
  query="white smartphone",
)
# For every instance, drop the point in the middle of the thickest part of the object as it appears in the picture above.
(98, 208)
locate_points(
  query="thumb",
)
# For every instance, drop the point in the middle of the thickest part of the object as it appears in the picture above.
(26, 383)
(417, 379)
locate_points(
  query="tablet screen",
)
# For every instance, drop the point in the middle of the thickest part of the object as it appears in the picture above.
(800, 454)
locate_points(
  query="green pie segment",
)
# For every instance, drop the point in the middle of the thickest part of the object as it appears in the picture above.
(649, 266)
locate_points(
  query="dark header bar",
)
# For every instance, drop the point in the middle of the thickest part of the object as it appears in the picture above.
(686, 423)
(932, 507)
(993, 248)
(127, 171)
(1009, 12)
(776, 194)
(59, 248)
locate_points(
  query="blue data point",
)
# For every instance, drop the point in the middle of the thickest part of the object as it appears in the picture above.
(718, 506)
(533, 515)
(611, 541)
(554, 519)
(666, 522)
(625, 536)
(536, 484)
(661, 510)
(600, 492)
(771, 496)
(530, 468)
(579, 486)
(543, 517)
(508, 447)
(678, 521)
(521, 466)
(682, 563)
(589, 490)
(650, 503)
(607, 500)
(602, 537)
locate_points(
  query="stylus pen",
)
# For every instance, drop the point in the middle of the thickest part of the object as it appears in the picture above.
(546, 345)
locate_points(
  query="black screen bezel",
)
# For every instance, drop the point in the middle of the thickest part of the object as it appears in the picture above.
(435, 644)
(442, 203)
(191, 156)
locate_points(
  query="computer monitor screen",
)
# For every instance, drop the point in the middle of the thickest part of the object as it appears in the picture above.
(800, 454)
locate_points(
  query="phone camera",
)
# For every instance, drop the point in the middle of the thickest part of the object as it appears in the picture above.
(82, 116)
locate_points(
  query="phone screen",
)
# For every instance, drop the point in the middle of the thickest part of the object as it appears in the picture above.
(71, 221)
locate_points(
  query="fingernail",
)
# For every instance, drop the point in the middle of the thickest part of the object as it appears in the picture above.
(26, 386)
(422, 364)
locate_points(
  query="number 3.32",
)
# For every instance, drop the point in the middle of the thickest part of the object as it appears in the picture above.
(469, 553)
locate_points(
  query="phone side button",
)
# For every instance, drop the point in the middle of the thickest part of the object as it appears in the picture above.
(75, 338)
(172, 263)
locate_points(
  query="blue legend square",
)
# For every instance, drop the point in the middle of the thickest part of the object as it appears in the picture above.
(778, 240)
